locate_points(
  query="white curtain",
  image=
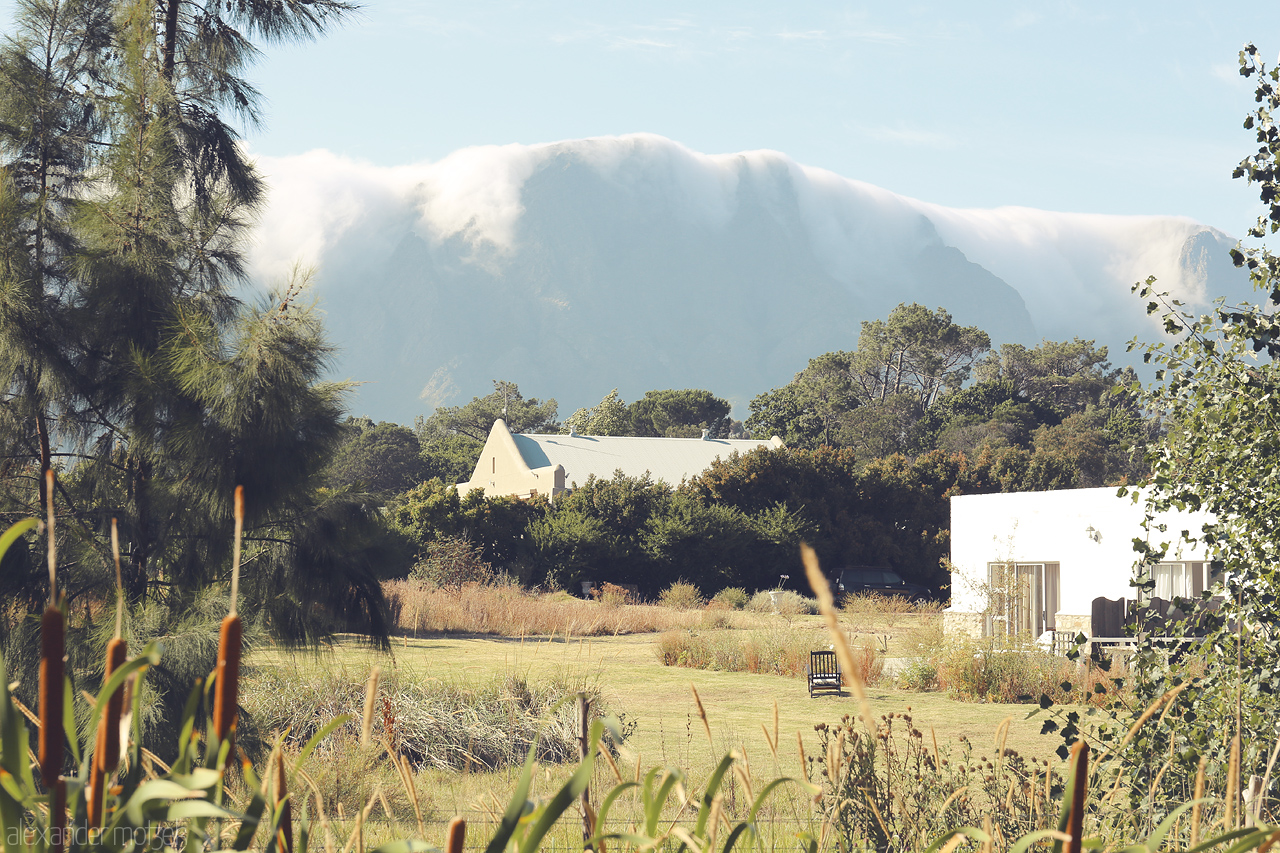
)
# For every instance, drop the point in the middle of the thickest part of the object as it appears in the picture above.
(1170, 581)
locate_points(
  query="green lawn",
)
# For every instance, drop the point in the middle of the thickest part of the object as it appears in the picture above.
(631, 680)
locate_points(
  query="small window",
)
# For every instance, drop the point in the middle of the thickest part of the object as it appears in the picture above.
(1178, 580)
(494, 460)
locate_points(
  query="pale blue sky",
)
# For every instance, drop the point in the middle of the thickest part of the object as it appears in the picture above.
(1101, 107)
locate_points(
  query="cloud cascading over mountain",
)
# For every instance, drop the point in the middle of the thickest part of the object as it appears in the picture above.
(632, 262)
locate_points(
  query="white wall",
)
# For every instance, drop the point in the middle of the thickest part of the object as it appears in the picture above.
(1089, 532)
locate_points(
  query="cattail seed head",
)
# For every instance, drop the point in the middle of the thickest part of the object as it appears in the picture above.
(227, 688)
(106, 754)
(109, 729)
(457, 836)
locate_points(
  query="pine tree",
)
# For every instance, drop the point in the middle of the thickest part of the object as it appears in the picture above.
(170, 390)
(48, 123)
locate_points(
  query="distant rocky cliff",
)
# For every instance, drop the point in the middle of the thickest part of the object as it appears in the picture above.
(631, 262)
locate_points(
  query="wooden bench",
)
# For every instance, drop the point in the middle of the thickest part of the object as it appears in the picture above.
(824, 673)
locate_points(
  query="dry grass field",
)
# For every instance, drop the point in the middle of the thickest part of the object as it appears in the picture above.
(520, 643)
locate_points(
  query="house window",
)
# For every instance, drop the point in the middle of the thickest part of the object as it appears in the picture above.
(494, 460)
(1022, 598)
(1178, 580)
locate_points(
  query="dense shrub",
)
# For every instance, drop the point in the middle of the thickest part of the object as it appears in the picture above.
(452, 561)
(682, 595)
(435, 510)
(777, 650)
(505, 609)
(433, 724)
(789, 603)
(920, 675)
(917, 789)
(731, 598)
(613, 595)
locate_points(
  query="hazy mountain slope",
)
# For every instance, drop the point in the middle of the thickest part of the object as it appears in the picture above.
(578, 266)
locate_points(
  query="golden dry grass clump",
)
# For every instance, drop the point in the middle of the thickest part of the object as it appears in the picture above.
(509, 611)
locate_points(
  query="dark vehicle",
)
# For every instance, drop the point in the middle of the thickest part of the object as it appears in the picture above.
(860, 579)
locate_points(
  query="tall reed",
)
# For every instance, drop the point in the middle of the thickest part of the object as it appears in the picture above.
(227, 678)
(106, 754)
(52, 675)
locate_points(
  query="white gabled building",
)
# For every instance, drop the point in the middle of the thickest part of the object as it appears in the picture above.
(1030, 562)
(525, 465)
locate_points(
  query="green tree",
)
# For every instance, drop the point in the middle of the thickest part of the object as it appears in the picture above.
(871, 397)
(677, 414)
(608, 417)
(813, 408)
(382, 458)
(453, 436)
(917, 352)
(881, 427)
(786, 413)
(48, 124)
(1065, 375)
(168, 390)
(1217, 385)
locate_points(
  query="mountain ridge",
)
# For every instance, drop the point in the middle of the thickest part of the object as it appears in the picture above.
(633, 262)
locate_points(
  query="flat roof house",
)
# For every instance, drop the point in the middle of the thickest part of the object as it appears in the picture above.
(525, 465)
(1031, 562)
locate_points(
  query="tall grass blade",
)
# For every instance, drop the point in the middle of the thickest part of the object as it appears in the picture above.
(1071, 818)
(14, 531)
(325, 730)
(516, 806)
(567, 795)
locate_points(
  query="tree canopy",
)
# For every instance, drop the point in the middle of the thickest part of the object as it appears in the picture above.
(679, 414)
(382, 458)
(453, 436)
(131, 364)
(1217, 386)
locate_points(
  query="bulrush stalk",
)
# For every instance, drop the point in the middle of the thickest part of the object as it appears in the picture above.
(826, 606)
(106, 754)
(227, 688)
(52, 653)
(52, 650)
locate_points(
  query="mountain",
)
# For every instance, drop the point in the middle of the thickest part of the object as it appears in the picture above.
(633, 262)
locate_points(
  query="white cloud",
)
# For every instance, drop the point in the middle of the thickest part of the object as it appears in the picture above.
(641, 42)
(912, 136)
(878, 36)
(1067, 267)
(806, 35)
(1229, 73)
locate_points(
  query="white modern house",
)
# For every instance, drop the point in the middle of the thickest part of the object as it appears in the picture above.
(1031, 562)
(530, 464)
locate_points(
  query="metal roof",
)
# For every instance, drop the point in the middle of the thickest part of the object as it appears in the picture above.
(670, 460)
